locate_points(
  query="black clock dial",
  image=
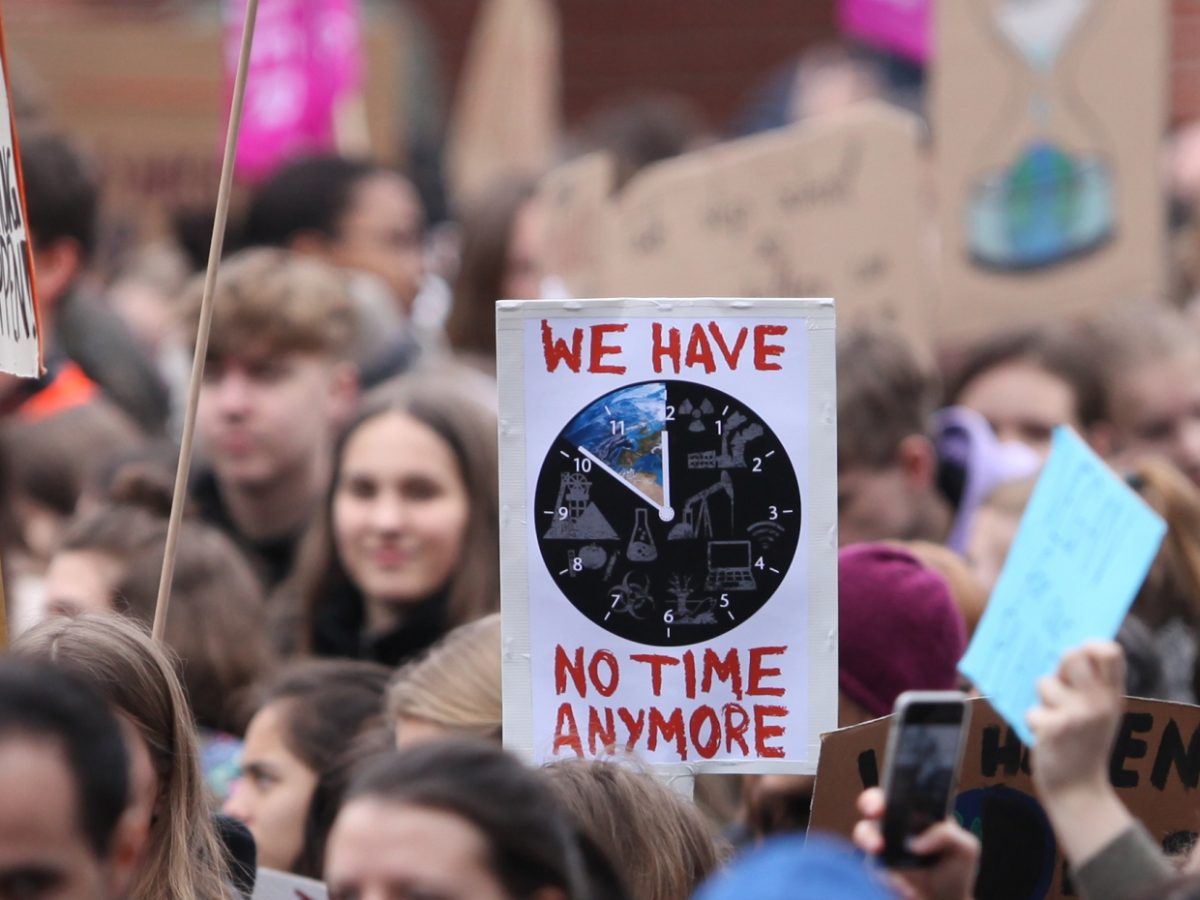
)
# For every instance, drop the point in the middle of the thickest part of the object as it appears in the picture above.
(667, 512)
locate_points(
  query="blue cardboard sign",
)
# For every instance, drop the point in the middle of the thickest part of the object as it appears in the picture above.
(1080, 555)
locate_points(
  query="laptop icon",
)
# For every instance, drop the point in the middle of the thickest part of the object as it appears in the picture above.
(729, 567)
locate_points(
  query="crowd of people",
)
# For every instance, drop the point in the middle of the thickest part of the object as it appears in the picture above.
(327, 698)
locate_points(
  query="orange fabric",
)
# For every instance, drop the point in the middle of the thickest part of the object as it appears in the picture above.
(69, 389)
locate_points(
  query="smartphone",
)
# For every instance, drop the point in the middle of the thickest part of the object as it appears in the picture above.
(920, 778)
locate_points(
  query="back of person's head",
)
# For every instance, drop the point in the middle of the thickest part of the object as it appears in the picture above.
(660, 843)
(454, 688)
(528, 843)
(486, 265)
(899, 628)
(272, 302)
(61, 191)
(310, 194)
(217, 622)
(641, 130)
(118, 658)
(43, 703)
(797, 867)
(1057, 352)
(885, 394)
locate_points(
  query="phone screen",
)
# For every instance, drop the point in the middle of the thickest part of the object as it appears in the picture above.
(921, 775)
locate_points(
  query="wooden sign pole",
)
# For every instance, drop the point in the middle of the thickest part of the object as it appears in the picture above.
(206, 303)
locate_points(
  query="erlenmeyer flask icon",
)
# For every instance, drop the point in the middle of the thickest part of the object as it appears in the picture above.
(641, 543)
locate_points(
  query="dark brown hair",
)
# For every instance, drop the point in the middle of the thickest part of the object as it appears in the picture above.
(1057, 350)
(885, 394)
(530, 838)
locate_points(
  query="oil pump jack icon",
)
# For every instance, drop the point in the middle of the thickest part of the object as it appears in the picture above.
(696, 518)
(734, 438)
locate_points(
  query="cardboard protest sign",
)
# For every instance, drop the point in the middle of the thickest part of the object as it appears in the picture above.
(273, 885)
(575, 199)
(668, 509)
(506, 112)
(901, 26)
(1050, 200)
(20, 327)
(1081, 552)
(1155, 767)
(825, 209)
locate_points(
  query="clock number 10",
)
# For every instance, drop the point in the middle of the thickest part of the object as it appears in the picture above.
(582, 464)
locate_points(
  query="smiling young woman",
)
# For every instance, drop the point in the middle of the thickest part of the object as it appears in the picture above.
(407, 546)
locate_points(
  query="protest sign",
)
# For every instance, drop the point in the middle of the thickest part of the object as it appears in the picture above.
(1049, 201)
(273, 885)
(575, 200)
(825, 209)
(1081, 552)
(668, 532)
(20, 327)
(306, 65)
(1155, 767)
(506, 112)
(901, 26)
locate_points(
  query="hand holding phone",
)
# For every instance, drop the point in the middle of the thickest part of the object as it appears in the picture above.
(920, 779)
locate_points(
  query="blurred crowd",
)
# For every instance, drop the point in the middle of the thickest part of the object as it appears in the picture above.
(327, 699)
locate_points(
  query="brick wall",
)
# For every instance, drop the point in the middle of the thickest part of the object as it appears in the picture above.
(712, 51)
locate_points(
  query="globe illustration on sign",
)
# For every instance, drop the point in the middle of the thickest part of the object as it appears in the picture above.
(634, 449)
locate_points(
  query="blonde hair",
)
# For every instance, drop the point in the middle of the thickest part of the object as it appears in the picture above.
(660, 844)
(184, 858)
(273, 301)
(456, 684)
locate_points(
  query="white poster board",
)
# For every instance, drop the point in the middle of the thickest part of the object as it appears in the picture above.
(20, 331)
(668, 539)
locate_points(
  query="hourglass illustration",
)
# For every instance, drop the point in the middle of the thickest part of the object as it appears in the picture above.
(1049, 196)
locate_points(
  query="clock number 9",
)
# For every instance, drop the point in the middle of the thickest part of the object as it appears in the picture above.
(563, 512)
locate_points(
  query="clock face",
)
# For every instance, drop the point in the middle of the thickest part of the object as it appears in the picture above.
(667, 512)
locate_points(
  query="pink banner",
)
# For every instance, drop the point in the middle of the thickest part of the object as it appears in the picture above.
(306, 59)
(902, 26)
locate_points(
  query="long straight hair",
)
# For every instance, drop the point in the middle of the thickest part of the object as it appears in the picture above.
(437, 400)
(115, 655)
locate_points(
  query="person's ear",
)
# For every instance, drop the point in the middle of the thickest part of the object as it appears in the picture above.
(130, 839)
(56, 265)
(918, 461)
(344, 393)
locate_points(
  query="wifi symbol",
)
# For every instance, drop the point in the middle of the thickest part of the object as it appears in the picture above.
(765, 533)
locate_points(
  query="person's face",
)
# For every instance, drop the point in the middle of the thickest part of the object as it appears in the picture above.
(266, 418)
(1156, 412)
(272, 796)
(991, 535)
(44, 854)
(380, 233)
(1022, 402)
(524, 267)
(387, 851)
(81, 581)
(875, 504)
(400, 510)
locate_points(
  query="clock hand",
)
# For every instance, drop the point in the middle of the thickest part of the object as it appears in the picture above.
(665, 512)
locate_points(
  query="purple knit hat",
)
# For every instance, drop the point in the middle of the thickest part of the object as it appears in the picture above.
(899, 629)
